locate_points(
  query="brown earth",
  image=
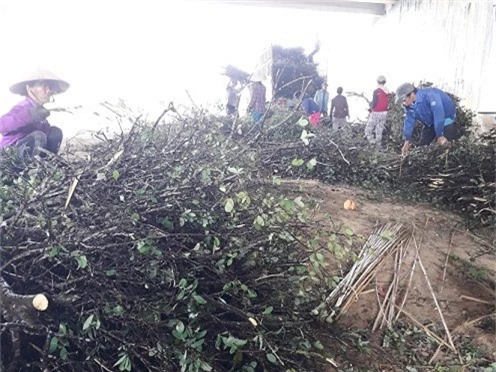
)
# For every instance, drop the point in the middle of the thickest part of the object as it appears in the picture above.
(464, 289)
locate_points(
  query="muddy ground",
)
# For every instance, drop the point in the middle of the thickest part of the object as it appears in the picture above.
(461, 282)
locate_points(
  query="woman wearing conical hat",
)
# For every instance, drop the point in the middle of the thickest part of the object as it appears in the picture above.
(26, 125)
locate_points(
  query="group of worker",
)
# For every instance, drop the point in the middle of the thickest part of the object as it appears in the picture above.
(26, 127)
(431, 106)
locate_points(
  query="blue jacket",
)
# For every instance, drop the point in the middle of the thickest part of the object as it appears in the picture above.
(432, 107)
(309, 106)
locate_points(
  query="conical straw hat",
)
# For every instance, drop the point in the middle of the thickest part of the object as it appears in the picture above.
(57, 84)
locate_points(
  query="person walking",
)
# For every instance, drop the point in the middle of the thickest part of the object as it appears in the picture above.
(339, 112)
(433, 108)
(378, 113)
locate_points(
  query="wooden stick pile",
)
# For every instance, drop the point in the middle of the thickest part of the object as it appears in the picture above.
(381, 244)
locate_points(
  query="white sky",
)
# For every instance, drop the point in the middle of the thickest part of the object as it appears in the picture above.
(147, 52)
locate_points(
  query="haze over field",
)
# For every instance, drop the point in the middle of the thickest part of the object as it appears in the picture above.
(149, 53)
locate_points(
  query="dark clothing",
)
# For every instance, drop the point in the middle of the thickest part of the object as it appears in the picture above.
(231, 110)
(429, 134)
(232, 100)
(339, 107)
(38, 139)
(380, 100)
(309, 106)
(257, 101)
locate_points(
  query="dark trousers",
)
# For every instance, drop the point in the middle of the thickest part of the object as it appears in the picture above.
(38, 139)
(231, 110)
(429, 134)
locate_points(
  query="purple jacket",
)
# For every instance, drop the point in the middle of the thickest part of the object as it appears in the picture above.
(17, 123)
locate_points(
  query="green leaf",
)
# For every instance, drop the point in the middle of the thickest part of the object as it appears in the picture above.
(229, 205)
(54, 252)
(63, 353)
(303, 122)
(199, 299)
(180, 327)
(116, 175)
(111, 272)
(318, 345)
(297, 162)
(62, 328)
(139, 192)
(118, 310)
(178, 335)
(298, 202)
(88, 321)
(57, 176)
(272, 358)
(312, 163)
(82, 262)
(182, 283)
(54, 341)
(260, 221)
(143, 248)
(268, 310)
(120, 361)
(235, 170)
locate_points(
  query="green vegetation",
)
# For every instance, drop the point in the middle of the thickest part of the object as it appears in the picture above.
(174, 247)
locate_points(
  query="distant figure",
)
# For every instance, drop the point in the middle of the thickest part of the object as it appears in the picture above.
(378, 113)
(256, 107)
(433, 108)
(310, 108)
(339, 111)
(26, 125)
(232, 98)
(322, 99)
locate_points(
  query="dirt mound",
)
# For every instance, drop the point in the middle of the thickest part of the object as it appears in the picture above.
(461, 282)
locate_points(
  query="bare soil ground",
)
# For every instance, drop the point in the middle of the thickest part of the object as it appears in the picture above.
(463, 286)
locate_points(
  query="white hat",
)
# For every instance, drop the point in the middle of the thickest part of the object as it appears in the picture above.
(59, 85)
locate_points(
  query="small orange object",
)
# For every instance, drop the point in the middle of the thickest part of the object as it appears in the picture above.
(350, 205)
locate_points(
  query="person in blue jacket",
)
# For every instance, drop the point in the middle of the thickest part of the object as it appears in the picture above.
(433, 108)
(309, 106)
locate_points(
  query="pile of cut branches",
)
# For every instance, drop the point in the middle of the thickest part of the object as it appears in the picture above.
(460, 177)
(166, 249)
(158, 251)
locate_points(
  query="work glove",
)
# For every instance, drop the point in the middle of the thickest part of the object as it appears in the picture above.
(39, 113)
